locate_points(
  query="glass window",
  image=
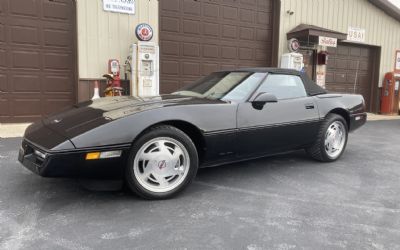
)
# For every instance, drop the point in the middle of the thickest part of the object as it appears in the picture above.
(283, 86)
(243, 90)
(224, 85)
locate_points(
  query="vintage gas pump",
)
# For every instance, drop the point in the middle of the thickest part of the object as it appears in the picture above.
(144, 69)
(390, 94)
(292, 60)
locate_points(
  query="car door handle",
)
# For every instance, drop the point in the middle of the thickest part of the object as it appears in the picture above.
(309, 105)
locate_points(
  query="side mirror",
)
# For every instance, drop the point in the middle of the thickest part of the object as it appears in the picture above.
(261, 99)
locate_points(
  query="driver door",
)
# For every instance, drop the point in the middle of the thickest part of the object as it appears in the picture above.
(290, 123)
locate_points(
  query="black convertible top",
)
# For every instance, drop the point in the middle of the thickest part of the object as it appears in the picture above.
(311, 87)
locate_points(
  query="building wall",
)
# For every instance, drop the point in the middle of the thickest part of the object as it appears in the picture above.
(381, 29)
(106, 35)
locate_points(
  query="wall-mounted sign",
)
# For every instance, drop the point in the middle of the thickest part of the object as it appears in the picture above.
(293, 45)
(397, 63)
(327, 41)
(120, 6)
(356, 34)
(144, 32)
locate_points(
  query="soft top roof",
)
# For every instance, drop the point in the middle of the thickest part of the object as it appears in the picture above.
(311, 87)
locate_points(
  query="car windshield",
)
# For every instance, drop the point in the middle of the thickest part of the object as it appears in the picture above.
(223, 86)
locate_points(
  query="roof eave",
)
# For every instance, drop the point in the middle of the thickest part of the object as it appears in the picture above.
(387, 7)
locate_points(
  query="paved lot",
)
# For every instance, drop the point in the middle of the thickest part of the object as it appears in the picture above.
(283, 202)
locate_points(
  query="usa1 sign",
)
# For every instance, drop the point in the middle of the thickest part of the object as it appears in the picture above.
(120, 6)
(327, 41)
(356, 34)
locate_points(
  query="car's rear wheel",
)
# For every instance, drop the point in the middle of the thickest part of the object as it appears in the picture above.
(331, 141)
(162, 163)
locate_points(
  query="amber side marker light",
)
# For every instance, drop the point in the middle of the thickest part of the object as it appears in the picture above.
(93, 156)
(103, 155)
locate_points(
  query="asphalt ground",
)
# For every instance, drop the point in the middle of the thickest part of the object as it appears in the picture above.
(282, 202)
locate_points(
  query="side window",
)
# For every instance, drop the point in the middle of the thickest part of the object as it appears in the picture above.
(283, 86)
(245, 88)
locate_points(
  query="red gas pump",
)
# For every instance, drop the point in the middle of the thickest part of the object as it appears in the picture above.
(113, 79)
(390, 94)
(114, 68)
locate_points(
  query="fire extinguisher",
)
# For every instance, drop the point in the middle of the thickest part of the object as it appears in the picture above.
(113, 79)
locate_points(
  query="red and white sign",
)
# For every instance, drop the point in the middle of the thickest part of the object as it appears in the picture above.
(144, 32)
(327, 41)
(356, 34)
(293, 45)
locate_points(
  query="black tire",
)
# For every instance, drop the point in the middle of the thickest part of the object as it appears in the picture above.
(317, 150)
(155, 132)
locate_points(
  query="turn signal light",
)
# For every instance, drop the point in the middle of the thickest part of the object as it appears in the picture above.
(103, 155)
(93, 156)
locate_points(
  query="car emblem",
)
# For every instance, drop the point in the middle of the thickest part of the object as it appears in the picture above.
(162, 164)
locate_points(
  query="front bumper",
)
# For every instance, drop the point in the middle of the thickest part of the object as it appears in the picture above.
(357, 120)
(73, 163)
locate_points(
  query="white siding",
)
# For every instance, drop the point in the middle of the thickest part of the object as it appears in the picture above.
(381, 29)
(106, 35)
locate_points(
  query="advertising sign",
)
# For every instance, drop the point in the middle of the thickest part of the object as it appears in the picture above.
(293, 45)
(144, 32)
(327, 41)
(356, 34)
(397, 63)
(120, 6)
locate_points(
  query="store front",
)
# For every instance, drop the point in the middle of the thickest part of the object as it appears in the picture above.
(337, 65)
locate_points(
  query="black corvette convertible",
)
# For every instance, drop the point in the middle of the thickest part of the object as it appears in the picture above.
(157, 144)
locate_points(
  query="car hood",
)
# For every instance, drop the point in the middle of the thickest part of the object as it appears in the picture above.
(91, 114)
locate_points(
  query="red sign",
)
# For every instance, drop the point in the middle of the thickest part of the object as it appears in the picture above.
(144, 32)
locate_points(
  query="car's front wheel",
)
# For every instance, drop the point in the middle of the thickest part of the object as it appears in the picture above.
(162, 163)
(331, 141)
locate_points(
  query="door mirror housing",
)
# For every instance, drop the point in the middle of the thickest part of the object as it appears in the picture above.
(261, 99)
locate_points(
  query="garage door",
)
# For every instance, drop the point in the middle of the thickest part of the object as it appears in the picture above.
(350, 70)
(37, 58)
(201, 36)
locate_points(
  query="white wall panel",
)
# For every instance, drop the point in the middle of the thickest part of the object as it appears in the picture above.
(104, 35)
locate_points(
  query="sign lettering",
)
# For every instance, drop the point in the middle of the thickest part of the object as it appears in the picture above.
(120, 6)
(356, 34)
(327, 41)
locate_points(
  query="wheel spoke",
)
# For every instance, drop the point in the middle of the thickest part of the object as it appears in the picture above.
(148, 170)
(146, 156)
(163, 149)
(161, 180)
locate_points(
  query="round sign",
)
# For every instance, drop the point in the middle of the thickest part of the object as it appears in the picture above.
(293, 45)
(144, 32)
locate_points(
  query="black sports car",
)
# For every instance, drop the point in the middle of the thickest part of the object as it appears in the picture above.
(157, 144)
